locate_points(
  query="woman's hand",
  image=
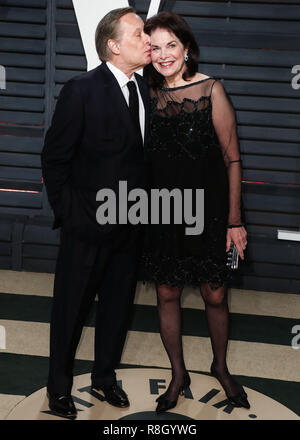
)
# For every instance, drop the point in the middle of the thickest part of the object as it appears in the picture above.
(239, 237)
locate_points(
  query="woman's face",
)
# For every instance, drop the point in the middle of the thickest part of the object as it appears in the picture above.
(167, 53)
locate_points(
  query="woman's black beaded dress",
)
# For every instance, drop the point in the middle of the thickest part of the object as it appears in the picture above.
(193, 145)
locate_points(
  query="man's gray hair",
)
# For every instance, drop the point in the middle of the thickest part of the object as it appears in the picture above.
(108, 29)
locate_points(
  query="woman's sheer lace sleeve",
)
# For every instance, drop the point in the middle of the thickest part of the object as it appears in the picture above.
(224, 121)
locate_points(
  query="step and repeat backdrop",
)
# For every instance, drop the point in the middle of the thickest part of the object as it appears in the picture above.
(252, 46)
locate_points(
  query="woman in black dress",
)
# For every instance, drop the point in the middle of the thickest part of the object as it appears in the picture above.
(193, 144)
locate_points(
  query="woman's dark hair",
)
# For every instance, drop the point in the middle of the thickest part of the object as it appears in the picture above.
(178, 26)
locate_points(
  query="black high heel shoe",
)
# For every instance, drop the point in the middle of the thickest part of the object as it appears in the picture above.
(165, 404)
(240, 399)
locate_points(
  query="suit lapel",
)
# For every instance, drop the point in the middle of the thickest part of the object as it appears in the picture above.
(121, 110)
(120, 105)
(146, 100)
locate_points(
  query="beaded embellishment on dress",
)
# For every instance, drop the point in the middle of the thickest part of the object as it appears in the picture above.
(185, 151)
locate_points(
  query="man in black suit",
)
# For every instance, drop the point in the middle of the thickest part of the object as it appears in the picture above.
(96, 139)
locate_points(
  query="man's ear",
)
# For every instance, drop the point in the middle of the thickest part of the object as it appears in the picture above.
(114, 46)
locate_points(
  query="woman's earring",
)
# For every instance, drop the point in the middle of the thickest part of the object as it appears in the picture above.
(186, 57)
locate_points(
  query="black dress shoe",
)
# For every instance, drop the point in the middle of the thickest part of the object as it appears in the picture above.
(165, 404)
(62, 405)
(114, 395)
(240, 399)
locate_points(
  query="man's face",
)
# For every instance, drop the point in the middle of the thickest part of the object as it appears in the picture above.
(135, 51)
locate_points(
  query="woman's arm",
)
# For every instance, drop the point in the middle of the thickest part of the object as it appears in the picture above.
(224, 121)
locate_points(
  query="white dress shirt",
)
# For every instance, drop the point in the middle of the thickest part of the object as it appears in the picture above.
(123, 79)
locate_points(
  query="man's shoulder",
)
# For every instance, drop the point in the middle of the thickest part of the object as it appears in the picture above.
(87, 77)
(85, 80)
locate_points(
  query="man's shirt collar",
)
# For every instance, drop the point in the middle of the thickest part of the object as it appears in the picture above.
(120, 76)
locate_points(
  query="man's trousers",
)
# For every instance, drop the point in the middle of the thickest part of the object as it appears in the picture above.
(83, 270)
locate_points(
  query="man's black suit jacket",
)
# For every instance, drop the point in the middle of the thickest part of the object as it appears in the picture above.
(92, 144)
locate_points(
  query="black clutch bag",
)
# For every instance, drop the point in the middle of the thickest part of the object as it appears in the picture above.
(233, 257)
